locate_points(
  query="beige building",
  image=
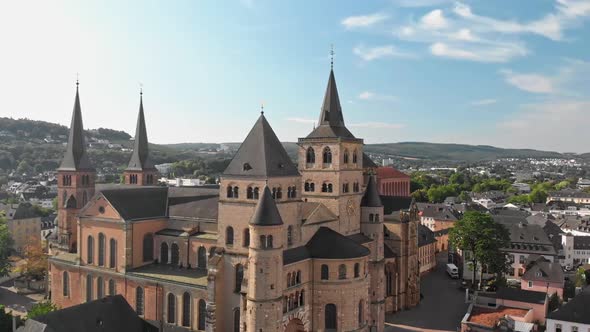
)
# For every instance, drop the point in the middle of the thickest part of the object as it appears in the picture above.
(24, 228)
(274, 247)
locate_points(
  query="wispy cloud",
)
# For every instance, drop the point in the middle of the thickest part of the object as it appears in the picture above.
(484, 102)
(377, 125)
(420, 3)
(301, 120)
(478, 53)
(372, 96)
(362, 21)
(434, 20)
(530, 82)
(378, 52)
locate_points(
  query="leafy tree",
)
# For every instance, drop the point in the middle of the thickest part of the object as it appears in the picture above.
(420, 195)
(580, 277)
(41, 308)
(464, 197)
(478, 235)
(23, 167)
(562, 185)
(538, 195)
(5, 245)
(35, 266)
(554, 302)
(437, 194)
(519, 199)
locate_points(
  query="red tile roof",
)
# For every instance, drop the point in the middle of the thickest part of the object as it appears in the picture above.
(390, 172)
(491, 316)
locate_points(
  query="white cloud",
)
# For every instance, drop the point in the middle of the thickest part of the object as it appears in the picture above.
(301, 120)
(434, 20)
(420, 3)
(374, 53)
(363, 20)
(483, 102)
(372, 96)
(534, 83)
(464, 35)
(377, 125)
(366, 95)
(478, 53)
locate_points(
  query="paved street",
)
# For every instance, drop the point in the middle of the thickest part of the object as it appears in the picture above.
(441, 309)
(15, 302)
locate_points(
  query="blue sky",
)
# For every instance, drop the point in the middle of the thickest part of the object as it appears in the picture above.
(503, 73)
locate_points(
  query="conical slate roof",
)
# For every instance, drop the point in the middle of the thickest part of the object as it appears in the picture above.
(75, 158)
(331, 122)
(140, 159)
(261, 154)
(266, 213)
(371, 197)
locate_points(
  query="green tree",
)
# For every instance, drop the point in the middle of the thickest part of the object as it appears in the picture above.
(23, 167)
(554, 302)
(420, 195)
(480, 239)
(41, 308)
(538, 195)
(519, 199)
(562, 185)
(580, 277)
(437, 194)
(5, 246)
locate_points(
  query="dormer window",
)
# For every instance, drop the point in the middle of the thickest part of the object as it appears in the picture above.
(246, 167)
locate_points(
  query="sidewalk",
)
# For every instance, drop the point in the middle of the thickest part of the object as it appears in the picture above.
(16, 303)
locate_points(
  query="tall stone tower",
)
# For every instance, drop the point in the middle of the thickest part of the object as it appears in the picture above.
(75, 182)
(372, 226)
(140, 170)
(265, 262)
(331, 163)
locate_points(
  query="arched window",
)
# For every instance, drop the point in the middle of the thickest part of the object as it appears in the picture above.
(171, 308)
(175, 254)
(371, 217)
(312, 187)
(294, 278)
(99, 288)
(202, 258)
(289, 279)
(246, 240)
(237, 320)
(388, 282)
(202, 314)
(325, 272)
(84, 198)
(357, 270)
(148, 247)
(263, 241)
(236, 192)
(306, 186)
(293, 192)
(112, 253)
(229, 236)
(164, 253)
(327, 155)
(250, 193)
(66, 284)
(256, 193)
(269, 242)
(301, 298)
(345, 156)
(274, 193)
(377, 217)
(112, 287)
(342, 271)
(298, 277)
(310, 156)
(290, 235)
(330, 188)
(239, 277)
(88, 288)
(330, 317)
(186, 309)
(324, 187)
(90, 250)
(360, 313)
(212, 251)
(354, 157)
(230, 192)
(101, 249)
(279, 193)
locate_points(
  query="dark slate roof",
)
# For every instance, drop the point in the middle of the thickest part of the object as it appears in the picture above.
(388, 252)
(438, 212)
(193, 202)
(425, 236)
(140, 159)
(529, 239)
(577, 310)
(371, 197)
(75, 157)
(543, 270)
(368, 162)
(111, 313)
(266, 213)
(360, 238)
(138, 203)
(328, 244)
(25, 211)
(331, 122)
(175, 232)
(395, 203)
(261, 154)
(521, 295)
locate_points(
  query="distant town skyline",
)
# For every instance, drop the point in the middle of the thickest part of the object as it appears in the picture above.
(503, 73)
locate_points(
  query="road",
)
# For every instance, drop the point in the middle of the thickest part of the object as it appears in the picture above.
(441, 309)
(20, 304)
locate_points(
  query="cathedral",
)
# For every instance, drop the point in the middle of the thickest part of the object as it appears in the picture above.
(275, 246)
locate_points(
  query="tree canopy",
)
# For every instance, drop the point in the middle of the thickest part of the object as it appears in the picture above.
(5, 246)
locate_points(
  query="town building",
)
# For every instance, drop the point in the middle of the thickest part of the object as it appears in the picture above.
(573, 196)
(541, 275)
(273, 247)
(572, 316)
(24, 228)
(426, 249)
(392, 182)
(439, 218)
(576, 249)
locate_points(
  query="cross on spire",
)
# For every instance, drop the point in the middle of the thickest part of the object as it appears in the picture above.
(332, 56)
(262, 108)
(77, 79)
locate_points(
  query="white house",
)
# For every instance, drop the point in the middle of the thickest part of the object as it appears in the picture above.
(574, 316)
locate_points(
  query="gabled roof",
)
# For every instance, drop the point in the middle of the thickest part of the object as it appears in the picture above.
(368, 162)
(425, 236)
(521, 295)
(111, 313)
(75, 158)
(577, 310)
(371, 197)
(140, 159)
(331, 122)
(266, 213)
(261, 155)
(315, 213)
(543, 270)
(139, 202)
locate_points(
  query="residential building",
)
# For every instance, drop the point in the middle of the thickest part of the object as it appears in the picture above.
(426, 249)
(576, 249)
(541, 275)
(573, 316)
(24, 228)
(439, 218)
(250, 254)
(573, 196)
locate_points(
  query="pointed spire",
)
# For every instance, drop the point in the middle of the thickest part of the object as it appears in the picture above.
(75, 158)
(266, 213)
(140, 159)
(371, 197)
(261, 155)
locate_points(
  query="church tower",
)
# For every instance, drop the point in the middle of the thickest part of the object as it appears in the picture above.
(75, 182)
(372, 226)
(140, 170)
(265, 262)
(331, 163)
